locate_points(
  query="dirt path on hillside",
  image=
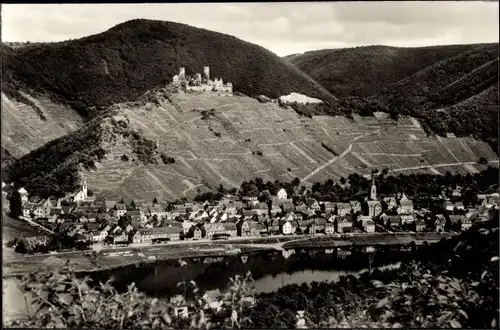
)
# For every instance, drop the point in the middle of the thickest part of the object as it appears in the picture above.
(436, 165)
(334, 159)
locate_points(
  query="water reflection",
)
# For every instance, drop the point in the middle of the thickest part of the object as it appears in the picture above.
(271, 270)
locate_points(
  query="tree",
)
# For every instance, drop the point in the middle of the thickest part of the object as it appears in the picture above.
(15, 204)
(23, 246)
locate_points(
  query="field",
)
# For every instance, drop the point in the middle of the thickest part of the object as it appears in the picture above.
(291, 146)
(24, 129)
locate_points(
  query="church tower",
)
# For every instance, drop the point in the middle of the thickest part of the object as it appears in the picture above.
(206, 73)
(84, 188)
(182, 73)
(373, 190)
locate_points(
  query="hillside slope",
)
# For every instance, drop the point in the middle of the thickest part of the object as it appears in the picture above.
(218, 139)
(33, 120)
(364, 71)
(463, 73)
(131, 58)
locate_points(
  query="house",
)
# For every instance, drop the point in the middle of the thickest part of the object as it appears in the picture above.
(115, 230)
(120, 210)
(374, 208)
(277, 201)
(196, 232)
(128, 229)
(121, 238)
(318, 225)
(329, 228)
(134, 216)
(369, 226)
(287, 207)
(420, 225)
(391, 202)
(282, 194)
(394, 221)
(459, 206)
(491, 200)
(364, 218)
(407, 219)
(344, 224)
(355, 206)
(96, 236)
(230, 228)
(290, 216)
(466, 223)
(213, 228)
(286, 227)
(147, 235)
(328, 206)
(81, 195)
(246, 228)
(179, 306)
(313, 204)
(186, 225)
(457, 220)
(301, 207)
(260, 228)
(157, 210)
(343, 209)
(440, 222)
(91, 227)
(405, 205)
(28, 209)
(448, 206)
(24, 195)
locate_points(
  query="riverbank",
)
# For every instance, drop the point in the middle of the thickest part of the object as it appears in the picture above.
(453, 283)
(109, 258)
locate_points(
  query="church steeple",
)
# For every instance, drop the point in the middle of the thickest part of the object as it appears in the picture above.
(373, 190)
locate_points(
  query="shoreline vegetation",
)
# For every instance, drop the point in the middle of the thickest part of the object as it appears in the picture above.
(450, 284)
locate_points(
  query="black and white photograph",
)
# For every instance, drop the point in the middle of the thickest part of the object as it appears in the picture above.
(264, 165)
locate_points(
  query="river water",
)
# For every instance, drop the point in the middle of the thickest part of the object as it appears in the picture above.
(270, 271)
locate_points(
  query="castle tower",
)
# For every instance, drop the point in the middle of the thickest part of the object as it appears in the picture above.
(206, 72)
(373, 190)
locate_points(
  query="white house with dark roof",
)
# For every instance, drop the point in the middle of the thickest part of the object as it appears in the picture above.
(282, 194)
(405, 205)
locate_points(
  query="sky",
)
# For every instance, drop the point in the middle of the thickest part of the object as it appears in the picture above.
(283, 28)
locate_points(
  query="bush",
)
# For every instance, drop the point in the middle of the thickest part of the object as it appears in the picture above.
(167, 160)
(124, 158)
(60, 299)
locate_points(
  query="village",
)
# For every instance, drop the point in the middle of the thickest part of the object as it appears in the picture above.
(104, 221)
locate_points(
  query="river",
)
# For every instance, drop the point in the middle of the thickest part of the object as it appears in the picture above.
(270, 271)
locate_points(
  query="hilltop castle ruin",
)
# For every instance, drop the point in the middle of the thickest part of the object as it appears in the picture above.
(199, 83)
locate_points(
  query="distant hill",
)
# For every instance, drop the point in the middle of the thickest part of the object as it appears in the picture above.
(364, 71)
(131, 58)
(417, 82)
(169, 145)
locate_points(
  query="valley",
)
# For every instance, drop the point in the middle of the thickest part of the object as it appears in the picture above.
(291, 146)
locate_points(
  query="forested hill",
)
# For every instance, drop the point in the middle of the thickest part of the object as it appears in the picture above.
(451, 89)
(131, 58)
(364, 71)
